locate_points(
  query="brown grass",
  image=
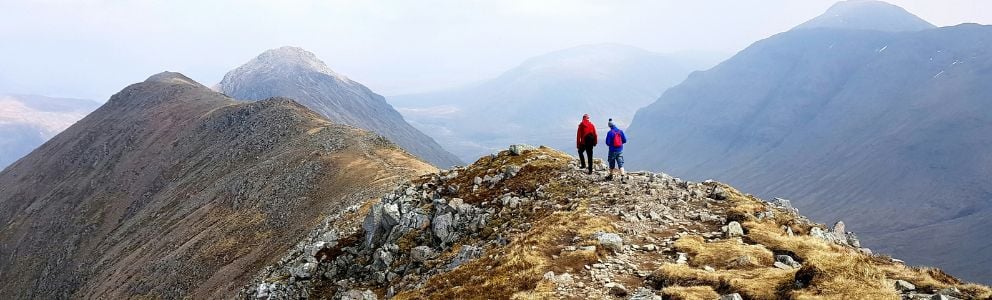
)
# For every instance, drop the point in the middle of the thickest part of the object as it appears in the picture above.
(723, 254)
(764, 283)
(519, 269)
(831, 271)
(689, 293)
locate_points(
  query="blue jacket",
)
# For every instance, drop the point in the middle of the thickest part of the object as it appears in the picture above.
(609, 139)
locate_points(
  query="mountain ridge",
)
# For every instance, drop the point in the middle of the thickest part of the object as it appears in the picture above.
(296, 73)
(172, 190)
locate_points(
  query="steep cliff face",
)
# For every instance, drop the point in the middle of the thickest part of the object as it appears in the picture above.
(527, 223)
(298, 74)
(172, 190)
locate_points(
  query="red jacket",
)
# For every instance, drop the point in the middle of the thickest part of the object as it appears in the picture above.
(585, 128)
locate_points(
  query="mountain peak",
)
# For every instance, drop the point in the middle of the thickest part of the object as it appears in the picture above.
(290, 56)
(171, 77)
(868, 15)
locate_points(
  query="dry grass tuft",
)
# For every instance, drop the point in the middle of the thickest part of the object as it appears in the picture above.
(518, 271)
(724, 254)
(767, 283)
(689, 293)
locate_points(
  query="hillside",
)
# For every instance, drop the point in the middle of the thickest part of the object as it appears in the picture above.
(542, 100)
(171, 190)
(525, 223)
(27, 121)
(886, 131)
(298, 74)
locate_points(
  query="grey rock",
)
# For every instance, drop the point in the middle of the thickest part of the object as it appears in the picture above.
(304, 271)
(518, 149)
(852, 239)
(902, 285)
(734, 229)
(422, 253)
(817, 232)
(617, 289)
(610, 241)
(784, 204)
(787, 260)
(355, 294)
(390, 216)
(643, 293)
(734, 296)
(441, 226)
(952, 292)
(782, 266)
(718, 193)
(839, 228)
(465, 254)
(372, 225)
(382, 259)
(682, 258)
(511, 171)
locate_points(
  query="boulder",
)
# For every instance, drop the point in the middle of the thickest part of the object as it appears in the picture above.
(382, 259)
(441, 226)
(422, 253)
(787, 260)
(511, 171)
(852, 239)
(610, 241)
(518, 149)
(355, 294)
(839, 228)
(304, 271)
(734, 296)
(616, 289)
(784, 204)
(390, 216)
(718, 193)
(734, 229)
(372, 225)
(902, 285)
(643, 293)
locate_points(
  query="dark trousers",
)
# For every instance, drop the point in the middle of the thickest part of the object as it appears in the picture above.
(588, 152)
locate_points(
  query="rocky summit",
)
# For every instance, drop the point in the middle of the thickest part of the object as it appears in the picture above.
(526, 223)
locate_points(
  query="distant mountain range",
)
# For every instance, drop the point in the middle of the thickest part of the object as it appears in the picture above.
(541, 101)
(298, 74)
(171, 190)
(881, 124)
(27, 121)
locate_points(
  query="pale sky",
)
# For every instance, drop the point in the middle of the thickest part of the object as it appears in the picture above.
(94, 48)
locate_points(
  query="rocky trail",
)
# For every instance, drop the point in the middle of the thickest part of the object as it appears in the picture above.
(527, 223)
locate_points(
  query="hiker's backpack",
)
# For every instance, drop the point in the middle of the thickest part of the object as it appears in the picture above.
(589, 140)
(617, 139)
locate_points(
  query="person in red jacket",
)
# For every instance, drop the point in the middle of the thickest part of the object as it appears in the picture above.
(585, 140)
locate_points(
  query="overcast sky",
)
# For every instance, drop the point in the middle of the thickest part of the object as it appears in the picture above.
(93, 48)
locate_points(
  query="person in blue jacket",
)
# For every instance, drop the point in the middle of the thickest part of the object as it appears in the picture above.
(615, 140)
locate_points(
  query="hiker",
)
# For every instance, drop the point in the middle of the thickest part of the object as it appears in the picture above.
(615, 140)
(585, 140)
